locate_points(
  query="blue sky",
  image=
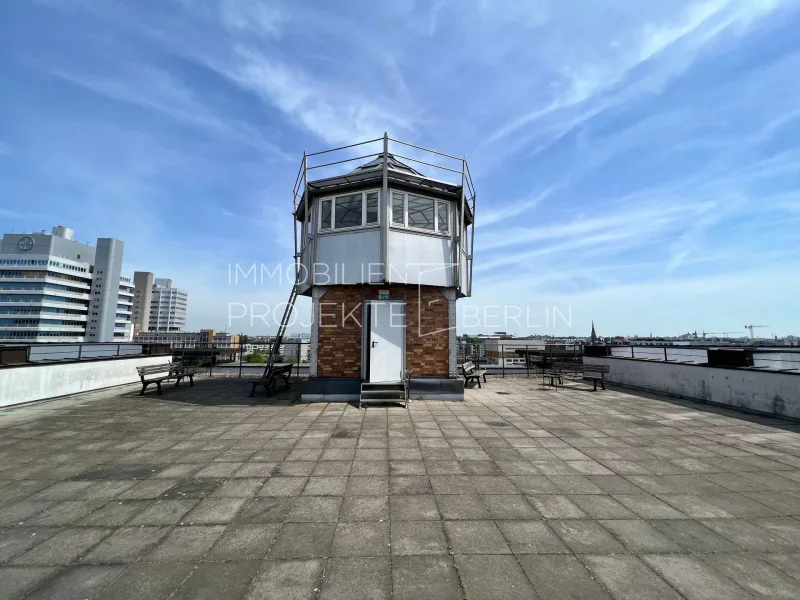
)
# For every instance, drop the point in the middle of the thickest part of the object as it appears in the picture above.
(636, 162)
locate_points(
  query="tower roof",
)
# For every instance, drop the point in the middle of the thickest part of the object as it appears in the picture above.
(377, 164)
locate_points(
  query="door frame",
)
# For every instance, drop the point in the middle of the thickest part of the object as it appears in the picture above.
(367, 329)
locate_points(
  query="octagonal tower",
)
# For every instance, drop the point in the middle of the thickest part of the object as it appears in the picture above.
(384, 250)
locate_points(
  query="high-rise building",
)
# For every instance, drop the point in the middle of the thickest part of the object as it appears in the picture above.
(54, 289)
(158, 306)
(142, 297)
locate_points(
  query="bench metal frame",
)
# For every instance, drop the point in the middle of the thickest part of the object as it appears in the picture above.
(174, 370)
(270, 377)
(472, 372)
(556, 374)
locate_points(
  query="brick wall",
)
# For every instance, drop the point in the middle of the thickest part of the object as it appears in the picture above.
(427, 352)
(342, 315)
(339, 345)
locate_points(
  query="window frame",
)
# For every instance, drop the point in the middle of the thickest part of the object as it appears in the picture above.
(436, 202)
(332, 200)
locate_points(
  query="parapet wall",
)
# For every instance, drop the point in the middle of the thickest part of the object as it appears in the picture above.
(28, 383)
(767, 392)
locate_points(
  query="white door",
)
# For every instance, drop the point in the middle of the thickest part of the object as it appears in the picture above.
(387, 329)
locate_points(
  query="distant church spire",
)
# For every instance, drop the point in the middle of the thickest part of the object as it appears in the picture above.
(594, 335)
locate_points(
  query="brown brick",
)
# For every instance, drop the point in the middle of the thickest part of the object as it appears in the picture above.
(342, 316)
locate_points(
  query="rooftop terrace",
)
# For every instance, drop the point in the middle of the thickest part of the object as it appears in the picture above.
(518, 492)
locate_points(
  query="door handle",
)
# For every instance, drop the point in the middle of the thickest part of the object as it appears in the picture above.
(374, 344)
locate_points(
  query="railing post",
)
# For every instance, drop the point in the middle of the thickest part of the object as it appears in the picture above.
(503, 359)
(240, 360)
(80, 350)
(211, 362)
(632, 355)
(665, 354)
(119, 347)
(299, 345)
(527, 362)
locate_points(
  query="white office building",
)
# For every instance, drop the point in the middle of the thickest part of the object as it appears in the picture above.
(157, 306)
(54, 289)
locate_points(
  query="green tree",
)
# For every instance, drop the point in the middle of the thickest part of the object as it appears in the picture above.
(255, 357)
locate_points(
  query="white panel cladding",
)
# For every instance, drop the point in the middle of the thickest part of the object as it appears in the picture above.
(347, 258)
(419, 259)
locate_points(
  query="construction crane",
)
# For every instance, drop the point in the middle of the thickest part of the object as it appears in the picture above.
(751, 327)
(725, 333)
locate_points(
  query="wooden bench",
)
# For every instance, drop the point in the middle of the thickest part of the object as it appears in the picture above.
(471, 372)
(270, 376)
(165, 372)
(596, 373)
(556, 373)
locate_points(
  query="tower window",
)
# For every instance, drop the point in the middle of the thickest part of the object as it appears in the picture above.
(420, 212)
(349, 211)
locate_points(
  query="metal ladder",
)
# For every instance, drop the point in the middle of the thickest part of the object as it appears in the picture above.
(276, 343)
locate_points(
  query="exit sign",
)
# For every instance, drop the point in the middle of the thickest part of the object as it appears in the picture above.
(383, 294)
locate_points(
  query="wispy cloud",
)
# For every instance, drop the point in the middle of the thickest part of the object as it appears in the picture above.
(154, 89)
(337, 114)
(497, 215)
(593, 86)
(256, 16)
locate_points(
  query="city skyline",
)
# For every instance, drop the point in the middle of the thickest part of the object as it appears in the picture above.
(646, 179)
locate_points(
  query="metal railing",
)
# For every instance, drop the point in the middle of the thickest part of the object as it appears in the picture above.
(515, 358)
(12, 354)
(465, 234)
(766, 358)
(239, 360)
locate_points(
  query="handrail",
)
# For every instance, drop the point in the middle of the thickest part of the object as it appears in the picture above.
(416, 160)
(426, 149)
(338, 162)
(345, 147)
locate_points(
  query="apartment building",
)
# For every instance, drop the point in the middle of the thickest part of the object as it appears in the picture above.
(55, 289)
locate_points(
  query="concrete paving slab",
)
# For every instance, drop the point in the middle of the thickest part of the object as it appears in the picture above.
(425, 577)
(78, 582)
(126, 545)
(493, 577)
(218, 581)
(17, 540)
(244, 542)
(65, 547)
(755, 576)
(693, 578)
(153, 581)
(346, 578)
(418, 538)
(531, 537)
(18, 581)
(287, 580)
(475, 537)
(619, 476)
(561, 577)
(627, 578)
(303, 540)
